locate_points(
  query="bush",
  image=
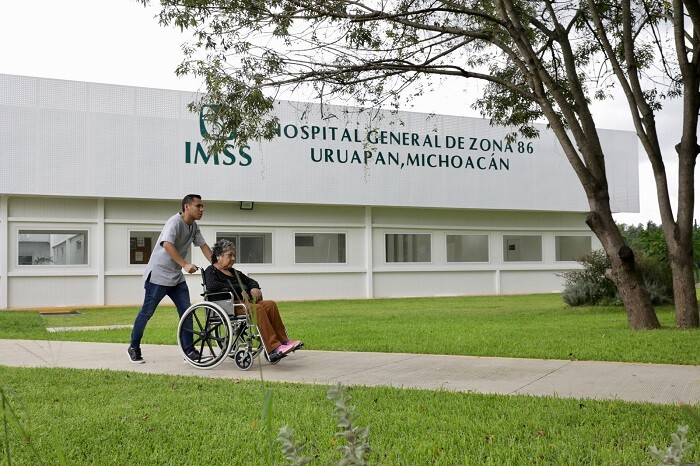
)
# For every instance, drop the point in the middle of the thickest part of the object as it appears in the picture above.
(590, 286)
(657, 278)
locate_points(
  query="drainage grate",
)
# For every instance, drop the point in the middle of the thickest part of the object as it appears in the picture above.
(94, 327)
(59, 313)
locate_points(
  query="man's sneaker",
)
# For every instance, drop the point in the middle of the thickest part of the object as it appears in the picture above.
(135, 355)
(194, 355)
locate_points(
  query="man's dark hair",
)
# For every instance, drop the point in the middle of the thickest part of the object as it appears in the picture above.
(189, 199)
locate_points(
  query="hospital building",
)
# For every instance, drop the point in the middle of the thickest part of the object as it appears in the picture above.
(342, 203)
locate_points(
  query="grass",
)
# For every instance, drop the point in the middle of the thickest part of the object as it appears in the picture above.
(103, 417)
(525, 326)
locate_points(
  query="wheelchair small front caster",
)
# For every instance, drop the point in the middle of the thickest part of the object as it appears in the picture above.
(243, 358)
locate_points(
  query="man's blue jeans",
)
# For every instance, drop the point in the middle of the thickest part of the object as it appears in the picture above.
(180, 295)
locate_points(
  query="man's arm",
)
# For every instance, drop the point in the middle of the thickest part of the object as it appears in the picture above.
(172, 252)
(206, 250)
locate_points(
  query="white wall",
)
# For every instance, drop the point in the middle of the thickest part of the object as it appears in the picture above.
(68, 138)
(110, 160)
(109, 279)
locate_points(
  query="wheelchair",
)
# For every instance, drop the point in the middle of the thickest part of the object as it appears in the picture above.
(218, 333)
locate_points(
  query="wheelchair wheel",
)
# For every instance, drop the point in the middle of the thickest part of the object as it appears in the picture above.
(243, 358)
(209, 328)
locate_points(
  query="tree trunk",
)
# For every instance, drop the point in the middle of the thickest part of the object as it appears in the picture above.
(679, 237)
(624, 272)
(685, 299)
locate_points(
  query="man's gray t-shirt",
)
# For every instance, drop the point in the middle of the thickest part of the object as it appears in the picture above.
(161, 267)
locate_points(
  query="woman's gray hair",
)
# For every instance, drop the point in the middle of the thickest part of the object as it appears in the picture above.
(221, 247)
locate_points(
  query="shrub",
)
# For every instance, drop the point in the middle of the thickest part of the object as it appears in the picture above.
(657, 278)
(590, 286)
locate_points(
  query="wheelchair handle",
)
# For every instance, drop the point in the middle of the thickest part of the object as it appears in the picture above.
(196, 269)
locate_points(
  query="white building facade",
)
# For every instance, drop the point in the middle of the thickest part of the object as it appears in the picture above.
(342, 203)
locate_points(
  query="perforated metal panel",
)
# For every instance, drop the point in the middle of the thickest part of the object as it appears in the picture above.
(83, 139)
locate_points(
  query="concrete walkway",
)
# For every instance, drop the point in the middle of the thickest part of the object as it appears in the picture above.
(655, 383)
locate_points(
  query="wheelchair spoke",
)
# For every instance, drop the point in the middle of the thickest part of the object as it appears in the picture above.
(195, 318)
(209, 332)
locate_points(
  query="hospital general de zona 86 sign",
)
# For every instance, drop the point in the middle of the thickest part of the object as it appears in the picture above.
(401, 149)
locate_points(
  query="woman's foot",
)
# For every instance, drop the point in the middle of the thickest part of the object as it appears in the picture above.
(288, 347)
(276, 354)
(296, 344)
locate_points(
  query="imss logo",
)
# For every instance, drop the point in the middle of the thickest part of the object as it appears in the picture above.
(230, 155)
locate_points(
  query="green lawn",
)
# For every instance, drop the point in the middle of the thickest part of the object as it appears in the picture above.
(527, 326)
(103, 417)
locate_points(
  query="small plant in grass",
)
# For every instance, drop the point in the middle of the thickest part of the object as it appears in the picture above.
(292, 450)
(674, 453)
(357, 438)
(10, 417)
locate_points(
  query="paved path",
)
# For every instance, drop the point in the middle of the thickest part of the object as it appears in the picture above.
(655, 383)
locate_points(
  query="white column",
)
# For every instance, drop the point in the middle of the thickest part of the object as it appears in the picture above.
(369, 247)
(100, 252)
(4, 247)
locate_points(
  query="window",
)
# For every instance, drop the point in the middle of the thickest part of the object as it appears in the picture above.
(304, 241)
(519, 248)
(570, 248)
(408, 247)
(141, 244)
(251, 248)
(319, 248)
(467, 248)
(52, 247)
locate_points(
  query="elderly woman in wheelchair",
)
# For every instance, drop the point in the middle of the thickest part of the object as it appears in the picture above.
(234, 320)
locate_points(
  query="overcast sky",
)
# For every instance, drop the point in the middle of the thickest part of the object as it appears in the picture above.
(120, 42)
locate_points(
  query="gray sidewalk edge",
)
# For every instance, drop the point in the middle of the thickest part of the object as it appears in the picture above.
(635, 382)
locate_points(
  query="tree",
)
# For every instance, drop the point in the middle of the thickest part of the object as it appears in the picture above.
(541, 60)
(650, 246)
(679, 233)
(651, 241)
(623, 23)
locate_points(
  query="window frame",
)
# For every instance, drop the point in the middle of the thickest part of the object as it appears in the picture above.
(267, 243)
(512, 235)
(557, 246)
(152, 234)
(313, 234)
(411, 233)
(68, 232)
(488, 248)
